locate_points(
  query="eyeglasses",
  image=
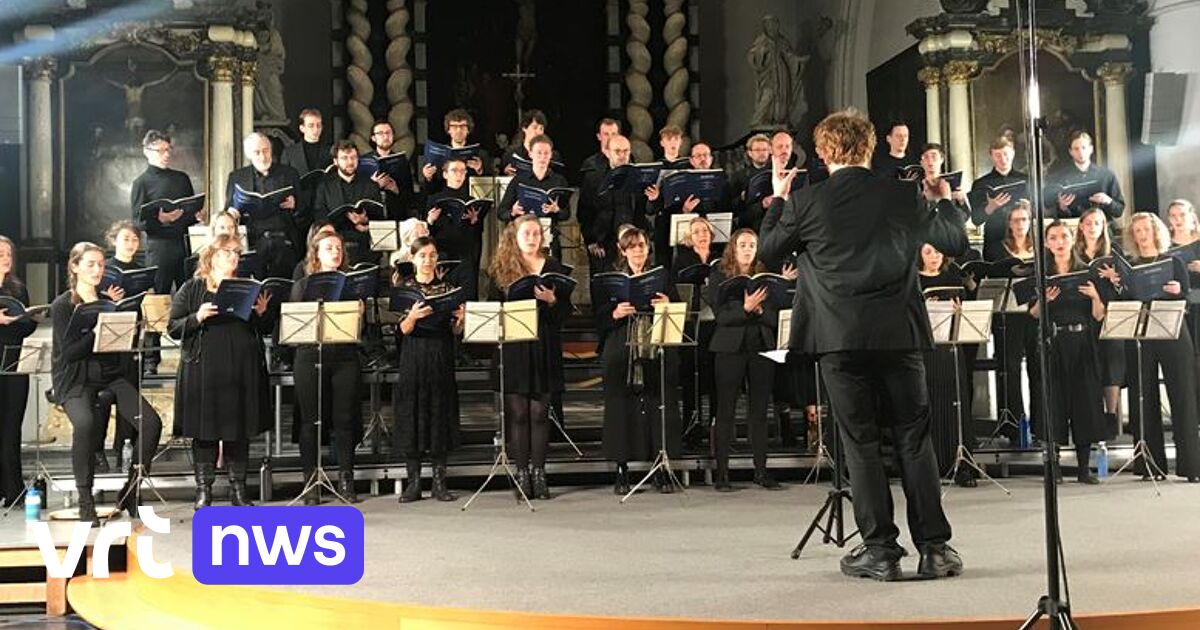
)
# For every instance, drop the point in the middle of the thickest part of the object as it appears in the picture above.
(458, 125)
(385, 132)
(458, 169)
(229, 252)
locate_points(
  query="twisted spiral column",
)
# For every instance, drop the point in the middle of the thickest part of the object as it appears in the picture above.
(675, 92)
(362, 92)
(400, 75)
(637, 111)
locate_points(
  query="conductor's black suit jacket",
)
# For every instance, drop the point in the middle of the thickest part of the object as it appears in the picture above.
(858, 238)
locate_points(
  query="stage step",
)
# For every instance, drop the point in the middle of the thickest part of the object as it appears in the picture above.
(23, 575)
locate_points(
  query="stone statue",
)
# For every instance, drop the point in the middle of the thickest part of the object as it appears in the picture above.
(135, 122)
(268, 88)
(778, 90)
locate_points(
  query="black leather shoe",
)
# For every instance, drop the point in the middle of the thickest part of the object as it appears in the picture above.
(965, 479)
(621, 484)
(877, 563)
(1087, 479)
(939, 560)
(764, 479)
(721, 481)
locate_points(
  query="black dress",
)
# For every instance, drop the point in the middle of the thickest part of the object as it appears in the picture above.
(221, 391)
(1076, 397)
(940, 374)
(631, 413)
(1110, 352)
(536, 367)
(425, 399)
(696, 364)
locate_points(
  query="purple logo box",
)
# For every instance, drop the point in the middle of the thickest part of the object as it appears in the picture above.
(278, 545)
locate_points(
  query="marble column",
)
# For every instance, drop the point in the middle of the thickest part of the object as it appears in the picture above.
(958, 74)
(1116, 133)
(931, 77)
(41, 148)
(221, 143)
(249, 71)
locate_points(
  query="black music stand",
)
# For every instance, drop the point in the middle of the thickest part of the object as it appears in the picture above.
(955, 325)
(32, 358)
(492, 323)
(999, 292)
(308, 323)
(668, 325)
(1156, 321)
(377, 430)
(833, 510)
(697, 305)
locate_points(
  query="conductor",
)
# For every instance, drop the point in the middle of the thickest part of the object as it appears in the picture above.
(858, 309)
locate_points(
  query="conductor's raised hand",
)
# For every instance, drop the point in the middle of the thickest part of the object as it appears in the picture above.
(752, 302)
(781, 182)
(623, 310)
(544, 294)
(206, 310)
(261, 302)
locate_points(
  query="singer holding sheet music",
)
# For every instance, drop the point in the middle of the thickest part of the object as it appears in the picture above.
(632, 395)
(994, 194)
(602, 212)
(746, 326)
(1093, 244)
(340, 376)
(124, 238)
(79, 375)
(221, 390)
(533, 371)
(336, 195)
(395, 182)
(14, 388)
(1074, 361)
(541, 149)
(167, 231)
(858, 309)
(425, 399)
(1146, 240)
(458, 125)
(308, 157)
(1185, 241)
(272, 232)
(458, 238)
(693, 264)
(1080, 184)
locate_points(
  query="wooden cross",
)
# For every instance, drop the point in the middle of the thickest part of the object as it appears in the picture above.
(518, 77)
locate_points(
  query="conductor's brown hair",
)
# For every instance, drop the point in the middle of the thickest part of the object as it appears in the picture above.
(845, 137)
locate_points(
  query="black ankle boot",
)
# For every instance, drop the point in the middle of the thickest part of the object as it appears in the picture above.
(313, 497)
(764, 479)
(237, 484)
(621, 484)
(541, 488)
(346, 486)
(412, 487)
(128, 497)
(524, 487)
(440, 491)
(206, 473)
(721, 479)
(87, 506)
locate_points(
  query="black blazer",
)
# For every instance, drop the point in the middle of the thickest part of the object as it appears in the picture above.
(278, 176)
(858, 236)
(737, 330)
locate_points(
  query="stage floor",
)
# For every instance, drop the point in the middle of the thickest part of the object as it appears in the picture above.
(726, 556)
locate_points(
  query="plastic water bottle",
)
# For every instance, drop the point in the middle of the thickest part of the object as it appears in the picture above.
(264, 479)
(1102, 461)
(33, 505)
(1023, 439)
(126, 456)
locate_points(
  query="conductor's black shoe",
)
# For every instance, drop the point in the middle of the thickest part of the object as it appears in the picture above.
(764, 479)
(939, 560)
(875, 562)
(1087, 478)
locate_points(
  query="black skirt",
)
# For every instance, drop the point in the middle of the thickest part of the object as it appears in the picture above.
(425, 399)
(223, 394)
(534, 367)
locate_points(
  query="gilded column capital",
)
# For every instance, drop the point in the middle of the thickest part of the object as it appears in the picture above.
(222, 68)
(930, 76)
(41, 69)
(1114, 73)
(249, 71)
(960, 71)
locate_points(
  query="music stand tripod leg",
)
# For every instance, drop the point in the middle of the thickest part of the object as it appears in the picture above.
(501, 460)
(319, 479)
(663, 460)
(561, 429)
(962, 455)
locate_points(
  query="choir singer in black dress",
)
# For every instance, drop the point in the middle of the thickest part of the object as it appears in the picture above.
(457, 238)
(746, 326)
(221, 391)
(425, 399)
(859, 310)
(632, 425)
(79, 375)
(533, 371)
(338, 382)
(14, 388)
(694, 260)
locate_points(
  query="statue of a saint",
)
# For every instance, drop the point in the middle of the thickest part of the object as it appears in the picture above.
(778, 90)
(268, 88)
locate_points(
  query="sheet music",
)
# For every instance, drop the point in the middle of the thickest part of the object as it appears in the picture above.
(385, 235)
(31, 357)
(520, 320)
(783, 334)
(680, 224)
(1122, 320)
(115, 332)
(941, 320)
(547, 233)
(298, 323)
(974, 321)
(156, 310)
(340, 322)
(482, 322)
(489, 187)
(993, 290)
(723, 224)
(668, 323)
(1165, 319)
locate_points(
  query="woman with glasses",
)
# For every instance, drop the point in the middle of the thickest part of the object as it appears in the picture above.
(221, 388)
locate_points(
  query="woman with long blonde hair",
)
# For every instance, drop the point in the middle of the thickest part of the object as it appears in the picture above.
(79, 375)
(533, 371)
(221, 388)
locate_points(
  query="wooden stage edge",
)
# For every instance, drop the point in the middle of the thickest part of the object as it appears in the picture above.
(134, 600)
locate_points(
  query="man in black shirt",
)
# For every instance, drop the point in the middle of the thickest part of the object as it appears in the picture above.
(398, 195)
(273, 237)
(344, 187)
(166, 233)
(858, 309)
(310, 154)
(993, 196)
(598, 161)
(602, 213)
(1094, 185)
(897, 157)
(758, 157)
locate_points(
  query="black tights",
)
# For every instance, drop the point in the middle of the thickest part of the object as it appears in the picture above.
(236, 452)
(80, 408)
(528, 428)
